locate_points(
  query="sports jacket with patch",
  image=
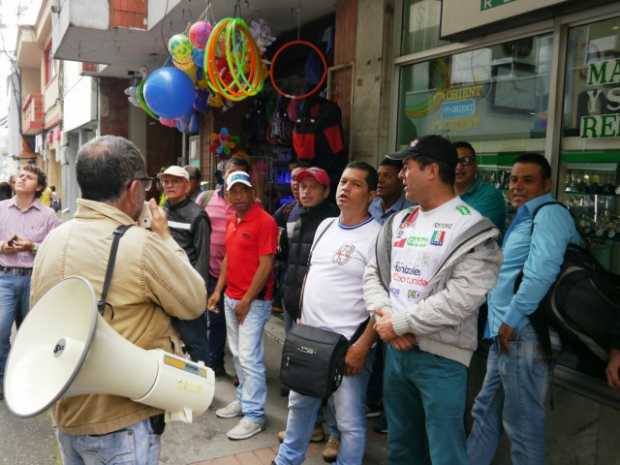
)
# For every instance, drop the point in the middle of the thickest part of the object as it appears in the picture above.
(444, 320)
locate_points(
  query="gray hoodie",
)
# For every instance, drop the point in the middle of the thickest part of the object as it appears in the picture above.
(445, 318)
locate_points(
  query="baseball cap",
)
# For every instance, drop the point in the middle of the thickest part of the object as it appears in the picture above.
(175, 170)
(434, 147)
(238, 177)
(318, 174)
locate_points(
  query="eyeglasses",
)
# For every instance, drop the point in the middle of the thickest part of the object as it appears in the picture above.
(147, 181)
(467, 160)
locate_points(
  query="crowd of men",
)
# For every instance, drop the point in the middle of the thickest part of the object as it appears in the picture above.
(399, 265)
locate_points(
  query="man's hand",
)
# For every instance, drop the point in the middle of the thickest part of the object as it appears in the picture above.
(242, 309)
(505, 333)
(159, 222)
(23, 245)
(404, 342)
(354, 360)
(613, 369)
(8, 248)
(383, 325)
(214, 300)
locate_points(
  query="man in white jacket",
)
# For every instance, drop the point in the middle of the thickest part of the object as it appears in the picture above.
(434, 265)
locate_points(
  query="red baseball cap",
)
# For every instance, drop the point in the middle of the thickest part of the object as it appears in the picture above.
(318, 174)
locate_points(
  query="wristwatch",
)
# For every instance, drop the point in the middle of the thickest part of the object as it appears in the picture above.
(35, 247)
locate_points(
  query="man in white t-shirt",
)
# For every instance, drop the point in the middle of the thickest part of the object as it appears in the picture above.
(332, 299)
(434, 265)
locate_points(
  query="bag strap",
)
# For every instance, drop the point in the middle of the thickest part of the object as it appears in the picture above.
(303, 285)
(542, 205)
(118, 233)
(318, 239)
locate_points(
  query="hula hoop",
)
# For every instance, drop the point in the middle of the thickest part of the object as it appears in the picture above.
(312, 91)
(232, 40)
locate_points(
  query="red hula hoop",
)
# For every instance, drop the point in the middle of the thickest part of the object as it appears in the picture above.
(316, 88)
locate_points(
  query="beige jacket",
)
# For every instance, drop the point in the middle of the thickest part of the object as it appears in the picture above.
(152, 281)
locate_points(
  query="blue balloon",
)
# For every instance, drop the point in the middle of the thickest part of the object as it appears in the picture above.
(198, 57)
(169, 92)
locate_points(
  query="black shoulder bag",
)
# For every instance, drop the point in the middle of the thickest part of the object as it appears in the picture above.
(313, 358)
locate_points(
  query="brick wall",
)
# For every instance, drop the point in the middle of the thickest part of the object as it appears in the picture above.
(163, 146)
(128, 13)
(114, 111)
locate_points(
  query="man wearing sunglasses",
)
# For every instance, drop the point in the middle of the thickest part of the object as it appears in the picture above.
(153, 281)
(474, 191)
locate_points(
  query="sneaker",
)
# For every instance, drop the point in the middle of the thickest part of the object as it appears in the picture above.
(232, 410)
(245, 429)
(373, 411)
(317, 435)
(330, 452)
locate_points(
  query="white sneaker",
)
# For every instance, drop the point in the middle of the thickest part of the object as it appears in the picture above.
(245, 429)
(232, 410)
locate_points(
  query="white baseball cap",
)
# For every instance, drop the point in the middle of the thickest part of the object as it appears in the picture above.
(175, 170)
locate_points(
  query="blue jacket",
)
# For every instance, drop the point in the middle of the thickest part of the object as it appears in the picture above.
(538, 255)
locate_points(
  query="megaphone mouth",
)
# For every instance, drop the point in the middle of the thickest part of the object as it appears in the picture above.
(56, 358)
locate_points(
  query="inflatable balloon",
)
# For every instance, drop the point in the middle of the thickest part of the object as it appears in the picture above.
(169, 92)
(200, 102)
(180, 48)
(199, 33)
(198, 57)
(168, 122)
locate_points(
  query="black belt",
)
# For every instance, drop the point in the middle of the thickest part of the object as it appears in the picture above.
(16, 270)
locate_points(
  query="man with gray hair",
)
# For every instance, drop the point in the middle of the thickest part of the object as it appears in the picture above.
(153, 281)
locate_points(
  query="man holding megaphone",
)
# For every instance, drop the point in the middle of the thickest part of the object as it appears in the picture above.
(152, 282)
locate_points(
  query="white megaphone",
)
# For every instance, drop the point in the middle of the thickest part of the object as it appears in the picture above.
(64, 348)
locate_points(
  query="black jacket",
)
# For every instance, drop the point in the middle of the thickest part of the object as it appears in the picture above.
(191, 229)
(297, 251)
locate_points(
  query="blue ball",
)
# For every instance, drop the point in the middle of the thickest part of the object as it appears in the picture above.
(169, 92)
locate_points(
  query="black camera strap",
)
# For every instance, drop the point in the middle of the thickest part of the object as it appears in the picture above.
(118, 233)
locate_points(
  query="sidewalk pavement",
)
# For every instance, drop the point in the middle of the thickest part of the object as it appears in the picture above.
(205, 443)
(31, 441)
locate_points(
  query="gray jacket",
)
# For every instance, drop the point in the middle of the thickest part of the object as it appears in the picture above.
(445, 319)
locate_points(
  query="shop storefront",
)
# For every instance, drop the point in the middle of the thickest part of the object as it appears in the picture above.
(521, 76)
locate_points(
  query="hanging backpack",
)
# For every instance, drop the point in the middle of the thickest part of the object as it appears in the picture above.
(318, 131)
(581, 305)
(281, 128)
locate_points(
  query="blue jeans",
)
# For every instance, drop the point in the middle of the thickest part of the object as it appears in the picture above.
(14, 305)
(134, 445)
(512, 399)
(246, 344)
(216, 331)
(424, 401)
(349, 402)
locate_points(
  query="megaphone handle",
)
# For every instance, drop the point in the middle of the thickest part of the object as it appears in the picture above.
(118, 233)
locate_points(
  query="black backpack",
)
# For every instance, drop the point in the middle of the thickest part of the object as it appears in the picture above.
(581, 305)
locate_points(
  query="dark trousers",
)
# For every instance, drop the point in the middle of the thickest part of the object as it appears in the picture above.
(194, 335)
(374, 395)
(216, 331)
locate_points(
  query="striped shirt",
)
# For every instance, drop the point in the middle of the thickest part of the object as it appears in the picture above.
(34, 223)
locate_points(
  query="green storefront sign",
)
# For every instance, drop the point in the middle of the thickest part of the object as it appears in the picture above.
(488, 4)
(600, 75)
